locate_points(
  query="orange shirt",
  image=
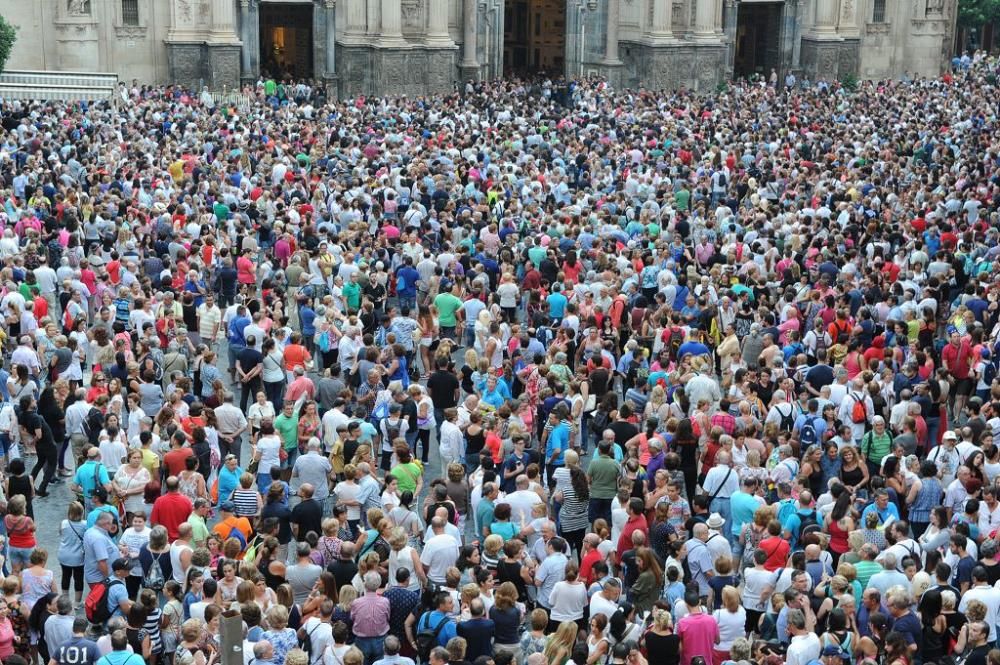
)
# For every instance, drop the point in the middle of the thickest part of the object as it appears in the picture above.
(296, 356)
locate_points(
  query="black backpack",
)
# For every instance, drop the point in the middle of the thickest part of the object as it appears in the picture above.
(427, 638)
(808, 524)
(787, 421)
(306, 642)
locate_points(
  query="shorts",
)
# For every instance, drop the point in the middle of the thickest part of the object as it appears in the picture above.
(964, 386)
(21, 555)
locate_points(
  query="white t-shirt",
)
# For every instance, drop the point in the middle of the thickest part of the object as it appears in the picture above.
(731, 626)
(754, 583)
(440, 553)
(568, 601)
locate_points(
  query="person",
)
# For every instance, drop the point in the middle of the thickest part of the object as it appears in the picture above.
(698, 630)
(120, 655)
(77, 650)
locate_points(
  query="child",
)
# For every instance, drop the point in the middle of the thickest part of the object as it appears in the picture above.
(173, 610)
(674, 588)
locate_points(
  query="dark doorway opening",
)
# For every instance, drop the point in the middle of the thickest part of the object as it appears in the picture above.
(286, 40)
(534, 37)
(758, 31)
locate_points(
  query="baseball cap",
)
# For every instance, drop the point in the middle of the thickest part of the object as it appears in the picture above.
(121, 564)
(834, 650)
(228, 507)
(949, 436)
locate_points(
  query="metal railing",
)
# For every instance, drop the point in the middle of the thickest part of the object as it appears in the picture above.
(241, 101)
(61, 86)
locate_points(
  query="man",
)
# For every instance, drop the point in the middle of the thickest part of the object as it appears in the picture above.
(209, 320)
(698, 630)
(45, 445)
(871, 602)
(551, 569)
(344, 568)
(232, 423)
(59, 626)
(440, 552)
(118, 600)
(402, 602)
(198, 521)
(485, 509)
(263, 653)
(636, 521)
(319, 631)
(120, 654)
(603, 474)
(720, 483)
(249, 368)
(889, 577)
(804, 514)
(172, 509)
(303, 574)
(867, 566)
(231, 525)
(444, 389)
(391, 648)
(804, 646)
(699, 558)
(515, 465)
(964, 565)
(307, 515)
(77, 650)
(980, 643)
(90, 475)
(477, 631)
(439, 620)
(743, 504)
(886, 510)
(605, 601)
(370, 618)
(557, 442)
(904, 620)
(99, 550)
(986, 594)
(522, 501)
(76, 418)
(902, 545)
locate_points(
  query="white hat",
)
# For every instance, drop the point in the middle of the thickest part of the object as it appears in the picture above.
(715, 521)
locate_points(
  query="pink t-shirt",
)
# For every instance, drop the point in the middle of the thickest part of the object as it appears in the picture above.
(698, 633)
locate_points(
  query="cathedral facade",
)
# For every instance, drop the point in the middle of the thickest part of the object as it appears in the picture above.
(414, 47)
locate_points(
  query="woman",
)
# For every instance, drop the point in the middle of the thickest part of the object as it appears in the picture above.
(226, 588)
(190, 482)
(407, 472)
(249, 502)
(281, 637)
(897, 649)
(309, 424)
(7, 637)
(662, 645)
(259, 411)
(403, 555)
(20, 533)
(559, 646)
(70, 554)
(934, 642)
(853, 472)
(506, 617)
(598, 644)
(511, 569)
(937, 535)
(839, 525)
(573, 516)
(569, 598)
(647, 587)
(267, 453)
(273, 373)
(622, 626)
(731, 619)
(36, 580)
(154, 557)
(502, 525)
(129, 484)
(923, 497)
(872, 531)
(457, 485)
(812, 469)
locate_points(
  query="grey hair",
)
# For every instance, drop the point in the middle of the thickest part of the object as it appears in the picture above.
(372, 581)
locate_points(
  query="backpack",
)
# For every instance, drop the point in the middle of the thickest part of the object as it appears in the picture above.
(989, 373)
(154, 578)
(859, 414)
(808, 524)
(675, 341)
(234, 532)
(92, 425)
(392, 431)
(722, 179)
(306, 642)
(96, 604)
(426, 638)
(787, 421)
(807, 435)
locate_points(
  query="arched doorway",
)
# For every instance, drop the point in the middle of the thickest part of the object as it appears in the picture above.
(534, 37)
(286, 40)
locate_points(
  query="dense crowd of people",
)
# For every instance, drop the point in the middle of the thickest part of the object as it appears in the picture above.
(495, 379)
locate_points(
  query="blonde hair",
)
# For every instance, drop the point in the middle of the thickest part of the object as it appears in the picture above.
(347, 595)
(730, 598)
(493, 544)
(277, 617)
(296, 657)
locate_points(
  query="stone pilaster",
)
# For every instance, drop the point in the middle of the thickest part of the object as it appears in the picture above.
(611, 58)
(661, 19)
(469, 66)
(704, 20)
(437, 23)
(331, 79)
(392, 24)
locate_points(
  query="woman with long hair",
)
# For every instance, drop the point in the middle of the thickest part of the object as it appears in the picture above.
(839, 523)
(647, 587)
(560, 643)
(573, 516)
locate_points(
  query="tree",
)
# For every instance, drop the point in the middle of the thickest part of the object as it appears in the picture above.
(8, 35)
(974, 13)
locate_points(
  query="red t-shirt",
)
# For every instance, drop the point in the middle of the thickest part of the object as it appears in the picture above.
(957, 359)
(637, 523)
(174, 461)
(777, 549)
(587, 566)
(170, 511)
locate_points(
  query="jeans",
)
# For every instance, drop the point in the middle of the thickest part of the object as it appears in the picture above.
(228, 446)
(275, 391)
(599, 509)
(248, 392)
(371, 647)
(721, 505)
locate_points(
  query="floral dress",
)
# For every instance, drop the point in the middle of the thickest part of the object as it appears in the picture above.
(19, 621)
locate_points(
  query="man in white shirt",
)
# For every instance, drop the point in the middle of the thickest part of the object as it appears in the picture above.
(902, 545)
(522, 502)
(987, 595)
(805, 646)
(955, 495)
(946, 458)
(440, 552)
(720, 483)
(319, 630)
(989, 512)
(605, 601)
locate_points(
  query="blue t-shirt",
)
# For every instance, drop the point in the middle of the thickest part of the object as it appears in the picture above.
(307, 317)
(557, 305)
(558, 441)
(97, 547)
(116, 594)
(430, 620)
(88, 472)
(77, 651)
(406, 282)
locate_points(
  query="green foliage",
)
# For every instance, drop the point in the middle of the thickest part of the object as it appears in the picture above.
(974, 13)
(8, 35)
(849, 82)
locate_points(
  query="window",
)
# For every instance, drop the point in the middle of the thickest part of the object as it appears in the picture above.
(130, 12)
(878, 11)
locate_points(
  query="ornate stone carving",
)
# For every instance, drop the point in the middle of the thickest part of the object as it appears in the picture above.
(847, 9)
(410, 11)
(877, 28)
(78, 8)
(827, 64)
(130, 31)
(185, 10)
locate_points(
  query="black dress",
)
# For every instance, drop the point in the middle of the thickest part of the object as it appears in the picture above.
(663, 649)
(22, 485)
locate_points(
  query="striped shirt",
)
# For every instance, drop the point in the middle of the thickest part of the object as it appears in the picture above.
(370, 615)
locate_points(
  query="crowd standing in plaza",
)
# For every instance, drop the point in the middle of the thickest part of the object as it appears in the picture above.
(492, 379)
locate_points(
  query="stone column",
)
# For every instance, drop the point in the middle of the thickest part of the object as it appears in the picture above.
(611, 41)
(331, 48)
(704, 19)
(470, 34)
(224, 19)
(730, 16)
(355, 18)
(246, 64)
(392, 21)
(437, 22)
(826, 17)
(660, 28)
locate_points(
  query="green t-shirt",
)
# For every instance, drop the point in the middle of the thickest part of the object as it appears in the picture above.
(288, 430)
(604, 473)
(352, 294)
(536, 254)
(447, 304)
(270, 87)
(682, 199)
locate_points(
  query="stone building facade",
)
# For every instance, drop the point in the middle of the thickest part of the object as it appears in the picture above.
(415, 47)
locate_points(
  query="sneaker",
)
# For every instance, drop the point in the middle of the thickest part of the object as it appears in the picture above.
(41, 494)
